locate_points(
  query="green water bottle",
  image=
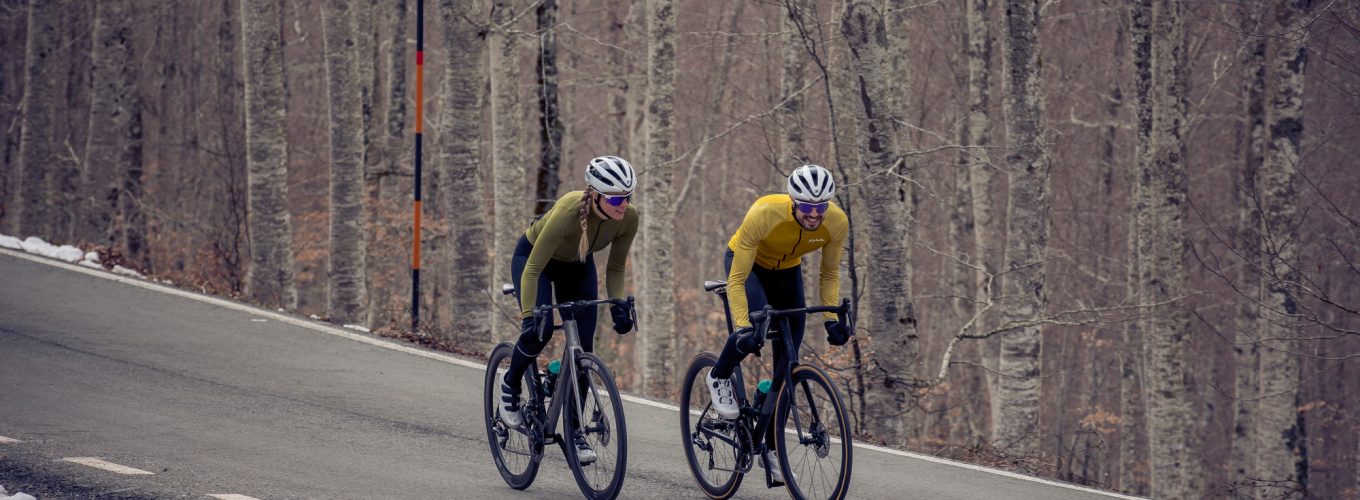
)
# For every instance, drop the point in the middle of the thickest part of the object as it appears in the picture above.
(762, 390)
(554, 368)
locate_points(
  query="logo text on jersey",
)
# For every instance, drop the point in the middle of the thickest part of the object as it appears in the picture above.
(817, 240)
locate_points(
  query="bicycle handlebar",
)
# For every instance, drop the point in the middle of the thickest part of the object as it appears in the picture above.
(842, 311)
(547, 309)
(543, 314)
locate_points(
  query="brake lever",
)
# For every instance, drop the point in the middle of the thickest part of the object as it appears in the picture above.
(632, 312)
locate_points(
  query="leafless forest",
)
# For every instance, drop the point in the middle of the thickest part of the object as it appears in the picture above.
(1114, 242)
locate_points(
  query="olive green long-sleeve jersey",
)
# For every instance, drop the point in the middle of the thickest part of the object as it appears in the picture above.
(557, 235)
(770, 237)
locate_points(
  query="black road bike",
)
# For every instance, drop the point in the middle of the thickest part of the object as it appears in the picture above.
(590, 408)
(814, 447)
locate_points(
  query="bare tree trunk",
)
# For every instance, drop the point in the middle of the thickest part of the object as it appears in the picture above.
(833, 60)
(269, 280)
(551, 128)
(1027, 230)
(347, 298)
(1162, 250)
(616, 138)
(460, 132)
(37, 157)
(890, 318)
(973, 202)
(114, 138)
(388, 176)
(1111, 167)
(507, 139)
(12, 68)
(365, 59)
(656, 265)
(793, 151)
(635, 30)
(1280, 445)
(1133, 417)
(1251, 142)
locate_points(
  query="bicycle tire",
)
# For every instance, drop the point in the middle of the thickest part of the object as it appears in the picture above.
(599, 431)
(494, 427)
(694, 399)
(819, 426)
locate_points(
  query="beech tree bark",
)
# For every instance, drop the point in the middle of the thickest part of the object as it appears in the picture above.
(347, 297)
(1027, 231)
(656, 272)
(889, 315)
(460, 132)
(269, 279)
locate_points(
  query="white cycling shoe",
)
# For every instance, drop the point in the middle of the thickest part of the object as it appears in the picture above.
(509, 408)
(774, 467)
(585, 455)
(724, 400)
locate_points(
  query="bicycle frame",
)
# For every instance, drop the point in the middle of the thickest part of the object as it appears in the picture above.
(764, 416)
(567, 386)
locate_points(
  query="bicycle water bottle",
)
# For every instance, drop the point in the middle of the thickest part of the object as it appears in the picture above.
(554, 368)
(762, 390)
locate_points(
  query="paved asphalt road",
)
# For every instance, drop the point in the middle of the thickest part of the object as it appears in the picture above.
(222, 399)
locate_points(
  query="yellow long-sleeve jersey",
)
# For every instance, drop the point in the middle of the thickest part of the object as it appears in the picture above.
(770, 237)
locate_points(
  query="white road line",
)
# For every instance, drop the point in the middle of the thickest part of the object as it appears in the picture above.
(445, 358)
(5, 440)
(231, 496)
(108, 466)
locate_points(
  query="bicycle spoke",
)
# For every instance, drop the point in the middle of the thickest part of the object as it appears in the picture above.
(599, 422)
(711, 443)
(815, 457)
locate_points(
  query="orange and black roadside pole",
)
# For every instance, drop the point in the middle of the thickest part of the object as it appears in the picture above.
(420, 99)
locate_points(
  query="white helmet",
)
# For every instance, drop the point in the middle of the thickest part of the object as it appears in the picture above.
(811, 184)
(610, 175)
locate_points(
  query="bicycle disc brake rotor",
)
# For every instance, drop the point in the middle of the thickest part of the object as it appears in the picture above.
(601, 426)
(821, 441)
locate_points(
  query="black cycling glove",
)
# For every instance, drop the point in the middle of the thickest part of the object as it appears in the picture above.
(747, 341)
(623, 318)
(836, 332)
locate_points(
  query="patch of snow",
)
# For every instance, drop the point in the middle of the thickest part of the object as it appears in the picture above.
(357, 327)
(92, 257)
(91, 264)
(314, 316)
(11, 242)
(34, 244)
(127, 272)
(69, 253)
(17, 496)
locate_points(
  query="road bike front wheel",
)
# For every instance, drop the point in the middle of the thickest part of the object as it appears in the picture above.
(515, 451)
(600, 422)
(815, 448)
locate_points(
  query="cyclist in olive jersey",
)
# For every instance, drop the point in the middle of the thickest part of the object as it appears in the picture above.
(764, 260)
(556, 254)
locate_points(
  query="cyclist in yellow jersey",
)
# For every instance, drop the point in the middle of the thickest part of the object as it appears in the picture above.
(763, 262)
(556, 257)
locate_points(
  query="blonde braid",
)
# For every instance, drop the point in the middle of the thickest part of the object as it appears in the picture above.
(584, 211)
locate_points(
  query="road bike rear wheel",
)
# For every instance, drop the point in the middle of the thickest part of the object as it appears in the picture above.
(715, 448)
(517, 452)
(601, 424)
(815, 449)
